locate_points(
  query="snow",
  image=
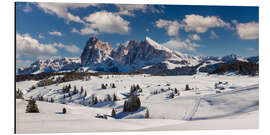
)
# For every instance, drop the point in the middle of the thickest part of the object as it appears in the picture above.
(156, 45)
(235, 107)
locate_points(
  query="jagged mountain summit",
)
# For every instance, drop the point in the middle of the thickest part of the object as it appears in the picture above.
(98, 55)
(147, 56)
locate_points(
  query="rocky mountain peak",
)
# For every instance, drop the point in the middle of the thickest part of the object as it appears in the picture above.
(95, 51)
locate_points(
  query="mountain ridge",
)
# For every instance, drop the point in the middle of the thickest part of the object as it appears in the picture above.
(137, 55)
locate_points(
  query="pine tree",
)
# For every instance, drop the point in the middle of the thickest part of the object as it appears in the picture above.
(96, 100)
(41, 98)
(132, 104)
(113, 85)
(85, 94)
(147, 115)
(103, 86)
(175, 91)
(187, 87)
(113, 113)
(81, 90)
(114, 97)
(108, 97)
(19, 94)
(52, 100)
(64, 110)
(32, 106)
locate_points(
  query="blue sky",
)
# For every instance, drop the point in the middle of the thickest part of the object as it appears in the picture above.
(46, 30)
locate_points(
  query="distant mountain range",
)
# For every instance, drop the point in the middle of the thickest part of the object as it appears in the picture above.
(146, 56)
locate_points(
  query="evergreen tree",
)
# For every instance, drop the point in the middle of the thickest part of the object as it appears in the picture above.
(85, 94)
(52, 100)
(81, 90)
(114, 97)
(64, 110)
(75, 90)
(113, 113)
(132, 104)
(32, 106)
(96, 100)
(113, 85)
(41, 98)
(103, 86)
(19, 94)
(187, 87)
(175, 91)
(147, 115)
(108, 97)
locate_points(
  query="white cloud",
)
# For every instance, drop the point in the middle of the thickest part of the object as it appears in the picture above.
(213, 34)
(27, 8)
(128, 9)
(85, 31)
(181, 45)
(171, 26)
(105, 22)
(194, 37)
(28, 46)
(69, 48)
(201, 24)
(247, 31)
(61, 10)
(55, 33)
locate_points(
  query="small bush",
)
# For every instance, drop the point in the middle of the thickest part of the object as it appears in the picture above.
(32, 87)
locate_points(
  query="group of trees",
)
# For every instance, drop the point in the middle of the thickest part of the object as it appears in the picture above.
(105, 86)
(107, 98)
(45, 82)
(135, 88)
(32, 106)
(19, 94)
(132, 104)
(244, 68)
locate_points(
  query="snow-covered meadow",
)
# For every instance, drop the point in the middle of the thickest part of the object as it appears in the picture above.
(233, 103)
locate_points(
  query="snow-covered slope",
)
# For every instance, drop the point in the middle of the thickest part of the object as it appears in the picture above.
(204, 107)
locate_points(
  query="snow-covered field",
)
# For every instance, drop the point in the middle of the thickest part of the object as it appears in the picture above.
(204, 107)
